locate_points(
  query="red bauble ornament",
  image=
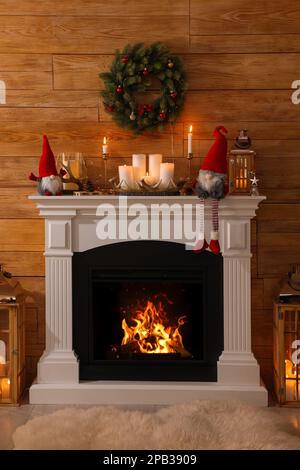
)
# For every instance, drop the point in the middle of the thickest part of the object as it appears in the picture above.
(162, 115)
(145, 72)
(141, 110)
(173, 94)
(110, 108)
(125, 59)
(149, 108)
(119, 90)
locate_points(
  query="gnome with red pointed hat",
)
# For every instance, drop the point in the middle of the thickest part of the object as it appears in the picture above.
(212, 183)
(49, 181)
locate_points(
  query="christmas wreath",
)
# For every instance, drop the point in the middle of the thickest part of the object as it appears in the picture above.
(132, 72)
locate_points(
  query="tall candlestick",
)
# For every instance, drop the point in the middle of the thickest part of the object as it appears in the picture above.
(126, 177)
(104, 146)
(155, 160)
(190, 140)
(139, 166)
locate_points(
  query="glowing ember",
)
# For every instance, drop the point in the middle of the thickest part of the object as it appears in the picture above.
(152, 333)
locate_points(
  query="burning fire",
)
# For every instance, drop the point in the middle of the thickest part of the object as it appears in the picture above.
(152, 333)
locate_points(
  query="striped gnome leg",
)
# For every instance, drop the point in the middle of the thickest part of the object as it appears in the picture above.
(201, 243)
(214, 239)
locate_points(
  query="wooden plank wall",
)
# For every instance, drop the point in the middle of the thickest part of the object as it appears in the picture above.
(241, 60)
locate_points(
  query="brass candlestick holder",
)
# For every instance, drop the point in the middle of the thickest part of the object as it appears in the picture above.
(189, 159)
(105, 158)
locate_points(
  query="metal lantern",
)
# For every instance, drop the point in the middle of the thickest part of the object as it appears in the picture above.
(287, 341)
(12, 339)
(241, 164)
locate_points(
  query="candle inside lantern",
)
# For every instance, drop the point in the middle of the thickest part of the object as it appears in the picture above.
(155, 160)
(139, 166)
(126, 177)
(166, 174)
(104, 146)
(5, 388)
(2, 352)
(190, 140)
(2, 358)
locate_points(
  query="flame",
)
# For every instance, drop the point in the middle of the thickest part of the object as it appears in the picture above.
(152, 333)
(191, 128)
(104, 140)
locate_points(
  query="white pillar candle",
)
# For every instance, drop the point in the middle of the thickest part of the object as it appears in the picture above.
(126, 177)
(155, 160)
(150, 180)
(166, 174)
(139, 166)
(190, 140)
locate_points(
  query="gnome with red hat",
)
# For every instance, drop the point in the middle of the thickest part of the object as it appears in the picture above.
(49, 181)
(212, 183)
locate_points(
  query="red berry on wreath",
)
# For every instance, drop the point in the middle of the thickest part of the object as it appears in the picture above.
(119, 90)
(125, 59)
(162, 115)
(173, 94)
(145, 72)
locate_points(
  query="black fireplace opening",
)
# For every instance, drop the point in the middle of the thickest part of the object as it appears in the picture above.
(147, 311)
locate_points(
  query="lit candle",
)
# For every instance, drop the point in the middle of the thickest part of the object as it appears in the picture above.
(126, 177)
(104, 146)
(150, 180)
(155, 160)
(190, 140)
(5, 388)
(139, 166)
(166, 174)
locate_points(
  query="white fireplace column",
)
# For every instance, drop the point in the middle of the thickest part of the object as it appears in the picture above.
(237, 365)
(58, 363)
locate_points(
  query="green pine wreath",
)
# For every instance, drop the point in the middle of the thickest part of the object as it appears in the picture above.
(131, 72)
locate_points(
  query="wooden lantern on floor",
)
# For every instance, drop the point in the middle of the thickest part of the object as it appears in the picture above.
(241, 164)
(287, 342)
(12, 344)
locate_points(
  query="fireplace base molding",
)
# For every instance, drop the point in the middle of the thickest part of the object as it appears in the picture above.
(143, 393)
(70, 226)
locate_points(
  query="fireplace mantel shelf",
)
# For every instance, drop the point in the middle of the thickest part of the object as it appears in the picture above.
(70, 223)
(89, 202)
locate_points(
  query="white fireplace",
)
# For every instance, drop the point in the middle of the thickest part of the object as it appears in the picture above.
(70, 224)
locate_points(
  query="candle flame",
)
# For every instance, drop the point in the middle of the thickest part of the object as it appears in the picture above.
(8, 381)
(191, 128)
(104, 140)
(147, 174)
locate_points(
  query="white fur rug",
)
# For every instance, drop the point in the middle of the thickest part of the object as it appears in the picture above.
(191, 426)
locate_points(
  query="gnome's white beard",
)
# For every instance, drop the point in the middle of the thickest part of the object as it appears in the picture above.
(208, 184)
(53, 185)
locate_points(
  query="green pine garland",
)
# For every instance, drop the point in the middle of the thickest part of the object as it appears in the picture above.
(131, 73)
